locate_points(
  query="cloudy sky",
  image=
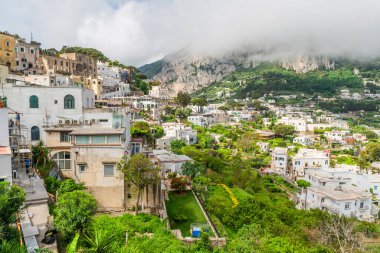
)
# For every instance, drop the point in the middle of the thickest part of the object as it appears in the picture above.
(141, 31)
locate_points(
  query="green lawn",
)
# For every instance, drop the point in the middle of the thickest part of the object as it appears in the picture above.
(184, 204)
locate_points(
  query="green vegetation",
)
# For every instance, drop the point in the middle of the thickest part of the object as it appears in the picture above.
(270, 78)
(140, 171)
(146, 233)
(73, 212)
(183, 206)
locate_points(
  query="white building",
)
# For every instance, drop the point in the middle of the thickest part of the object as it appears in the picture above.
(169, 161)
(49, 80)
(300, 124)
(264, 146)
(279, 162)
(41, 106)
(198, 120)
(336, 136)
(159, 92)
(304, 140)
(5, 151)
(308, 159)
(176, 131)
(344, 200)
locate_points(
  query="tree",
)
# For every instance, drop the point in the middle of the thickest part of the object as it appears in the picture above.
(201, 182)
(180, 183)
(73, 212)
(370, 134)
(176, 145)
(183, 99)
(224, 108)
(69, 185)
(283, 130)
(140, 171)
(339, 232)
(182, 113)
(11, 200)
(303, 183)
(41, 159)
(190, 169)
(199, 102)
(246, 141)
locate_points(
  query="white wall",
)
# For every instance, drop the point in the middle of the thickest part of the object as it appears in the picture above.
(4, 133)
(51, 105)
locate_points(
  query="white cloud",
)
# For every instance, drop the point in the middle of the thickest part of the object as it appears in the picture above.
(136, 32)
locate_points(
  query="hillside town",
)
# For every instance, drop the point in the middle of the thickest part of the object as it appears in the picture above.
(71, 118)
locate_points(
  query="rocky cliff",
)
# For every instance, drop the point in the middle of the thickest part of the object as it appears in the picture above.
(188, 72)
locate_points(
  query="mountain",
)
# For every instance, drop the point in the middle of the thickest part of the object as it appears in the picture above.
(186, 71)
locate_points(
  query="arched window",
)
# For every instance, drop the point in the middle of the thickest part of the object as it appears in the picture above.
(63, 160)
(35, 133)
(33, 101)
(69, 102)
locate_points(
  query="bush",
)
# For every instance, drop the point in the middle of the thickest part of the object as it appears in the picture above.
(180, 218)
(52, 184)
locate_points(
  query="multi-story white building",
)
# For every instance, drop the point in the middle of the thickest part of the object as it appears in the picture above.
(308, 159)
(300, 124)
(343, 199)
(201, 120)
(176, 131)
(304, 140)
(336, 136)
(279, 161)
(41, 106)
(159, 92)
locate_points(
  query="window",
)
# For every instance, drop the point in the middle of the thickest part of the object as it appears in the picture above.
(64, 137)
(322, 200)
(63, 160)
(347, 206)
(35, 133)
(7, 43)
(99, 139)
(326, 162)
(113, 139)
(69, 102)
(82, 139)
(32, 51)
(375, 187)
(22, 49)
(109, 170)
(297, 163)
(33, 101)
(82, 168)
(361, 204)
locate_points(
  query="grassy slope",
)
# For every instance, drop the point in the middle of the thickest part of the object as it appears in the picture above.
(184, 204)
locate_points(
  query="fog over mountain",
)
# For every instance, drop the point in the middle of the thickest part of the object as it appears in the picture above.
(138, 32)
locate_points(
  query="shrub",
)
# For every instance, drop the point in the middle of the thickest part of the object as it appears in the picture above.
(180, 218)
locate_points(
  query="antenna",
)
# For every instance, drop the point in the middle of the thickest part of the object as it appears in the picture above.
(31, 36)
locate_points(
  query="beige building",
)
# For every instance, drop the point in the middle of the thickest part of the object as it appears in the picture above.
(86, 65)
(26, 56)
(7, 54)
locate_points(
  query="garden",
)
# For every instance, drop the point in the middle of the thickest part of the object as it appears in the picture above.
(183, 210)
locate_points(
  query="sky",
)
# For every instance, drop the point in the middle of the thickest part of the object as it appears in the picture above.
(141, 31)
